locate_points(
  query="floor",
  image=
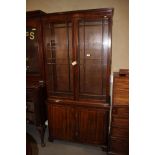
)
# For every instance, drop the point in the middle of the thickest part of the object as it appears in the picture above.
(62, 147)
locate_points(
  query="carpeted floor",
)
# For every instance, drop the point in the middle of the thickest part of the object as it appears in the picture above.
(60, 147)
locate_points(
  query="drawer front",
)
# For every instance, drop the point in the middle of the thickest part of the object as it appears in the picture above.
(120, 112)
(30, 106)
(61, 102)
(119, 146)
(121, 97)
(121, 91)
(119, 132)
(30, 117)
(120, 122)
(121, 83)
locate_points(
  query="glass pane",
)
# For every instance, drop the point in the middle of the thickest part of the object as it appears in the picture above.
(91, 57)
(31, 50)
(61, 57)
(63, 82)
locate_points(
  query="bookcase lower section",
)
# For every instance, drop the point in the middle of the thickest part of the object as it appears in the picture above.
(77, 123)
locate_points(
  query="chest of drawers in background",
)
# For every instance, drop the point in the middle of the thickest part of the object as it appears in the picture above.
(35, 108)
(119, 129)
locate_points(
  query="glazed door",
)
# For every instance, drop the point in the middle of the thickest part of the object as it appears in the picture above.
(77, 57)
(59, 58)
(93, 50)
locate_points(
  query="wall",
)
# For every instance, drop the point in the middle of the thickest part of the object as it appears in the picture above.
(120, 34)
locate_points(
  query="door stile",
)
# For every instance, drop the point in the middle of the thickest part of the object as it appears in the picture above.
(75, 58)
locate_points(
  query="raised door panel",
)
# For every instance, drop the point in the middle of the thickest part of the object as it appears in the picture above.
(92, 126)
(61, 122)
(94, 44)
(58, 58)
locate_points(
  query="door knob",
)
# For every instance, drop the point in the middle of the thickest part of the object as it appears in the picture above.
(74, 63)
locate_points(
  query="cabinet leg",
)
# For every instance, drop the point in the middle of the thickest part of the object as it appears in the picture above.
(41, 130)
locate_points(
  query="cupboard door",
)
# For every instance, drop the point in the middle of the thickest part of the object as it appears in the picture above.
(92, 126)
(93, 51)
(61, 122)
(58, 57)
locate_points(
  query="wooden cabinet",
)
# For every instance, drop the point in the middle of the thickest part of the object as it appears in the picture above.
(119, 129)
(35, 78)
(78, 65)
